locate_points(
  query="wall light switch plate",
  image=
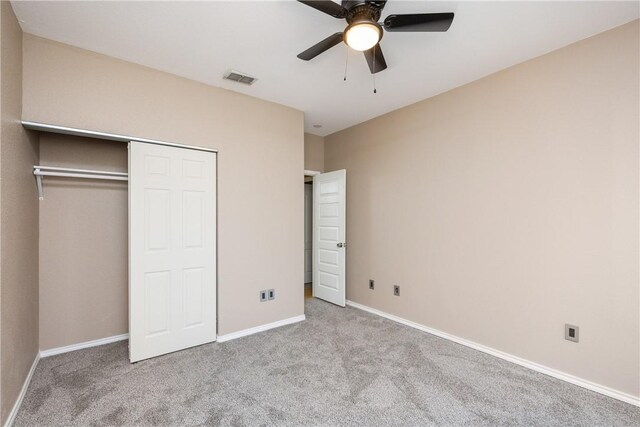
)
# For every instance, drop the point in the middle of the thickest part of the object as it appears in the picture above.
(271, 294)
(372, 284)
(571, 332)
(263, 296)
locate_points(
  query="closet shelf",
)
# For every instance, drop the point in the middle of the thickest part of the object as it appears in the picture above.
(65, 130)
(41, 171)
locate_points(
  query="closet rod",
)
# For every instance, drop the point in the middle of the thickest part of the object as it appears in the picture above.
(40, 171)
(86, 171)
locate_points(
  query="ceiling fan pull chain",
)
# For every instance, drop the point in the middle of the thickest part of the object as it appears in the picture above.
(374, 69)
(346, 63)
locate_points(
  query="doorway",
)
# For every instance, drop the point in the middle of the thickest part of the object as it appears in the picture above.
(308, 233)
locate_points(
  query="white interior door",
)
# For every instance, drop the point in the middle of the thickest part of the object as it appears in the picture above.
(308, 232)
(329, 231)
(172, 249)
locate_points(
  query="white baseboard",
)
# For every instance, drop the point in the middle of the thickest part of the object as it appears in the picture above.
(628, 398)
(23, 392)
(261, 328)
(80, 346)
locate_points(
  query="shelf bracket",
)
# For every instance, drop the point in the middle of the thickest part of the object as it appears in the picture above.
(36, 172)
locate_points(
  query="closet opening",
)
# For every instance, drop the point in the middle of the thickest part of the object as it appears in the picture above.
(127, 239)
(83, 249)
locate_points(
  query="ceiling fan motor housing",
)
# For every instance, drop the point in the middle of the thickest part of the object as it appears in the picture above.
(363, 12)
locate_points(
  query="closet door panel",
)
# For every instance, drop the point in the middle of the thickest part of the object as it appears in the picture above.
(172, 249)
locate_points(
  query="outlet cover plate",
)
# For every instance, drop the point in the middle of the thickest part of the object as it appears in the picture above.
(571, 333)
(396, 290)
(372, 284)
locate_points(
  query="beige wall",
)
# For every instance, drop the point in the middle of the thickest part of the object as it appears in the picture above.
(509, 207)
(313, 152)
(83, 244)
(260, 161)
(18, 223)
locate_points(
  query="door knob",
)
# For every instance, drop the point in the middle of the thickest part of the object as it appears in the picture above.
(341, 245)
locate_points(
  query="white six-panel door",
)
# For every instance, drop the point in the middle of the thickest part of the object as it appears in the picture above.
(329, 231)
(172, 249)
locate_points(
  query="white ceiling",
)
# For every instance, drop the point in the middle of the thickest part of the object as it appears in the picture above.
(201, 40)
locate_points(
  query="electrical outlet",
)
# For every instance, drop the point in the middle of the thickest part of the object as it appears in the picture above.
(263, 296)
(396, 290)
(571, 332)
(372, 284)
(271, 294)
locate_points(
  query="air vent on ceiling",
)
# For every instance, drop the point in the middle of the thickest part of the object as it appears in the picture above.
(239, 77)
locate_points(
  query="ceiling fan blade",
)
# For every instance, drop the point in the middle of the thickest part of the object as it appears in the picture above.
(430, 22)
(327, 6)
(380, 63)
(318, 48)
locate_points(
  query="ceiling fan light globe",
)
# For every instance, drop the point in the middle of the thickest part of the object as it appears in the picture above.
(362, 35)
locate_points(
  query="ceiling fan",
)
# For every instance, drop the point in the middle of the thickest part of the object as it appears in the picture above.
(364, 32)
